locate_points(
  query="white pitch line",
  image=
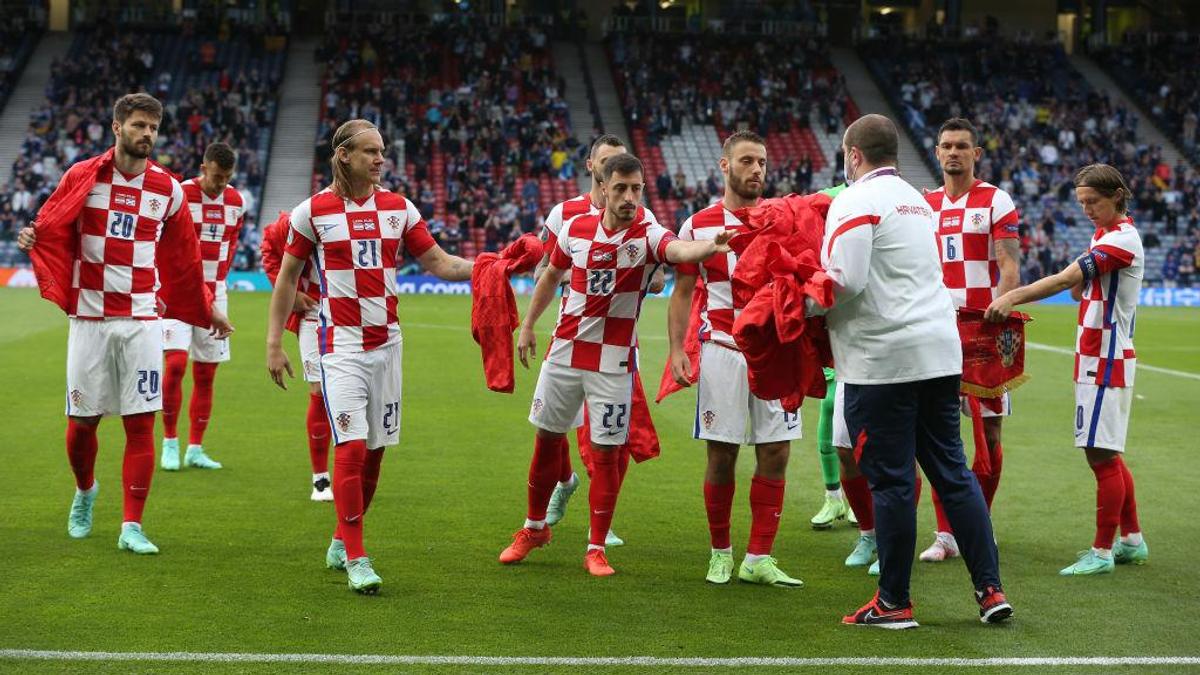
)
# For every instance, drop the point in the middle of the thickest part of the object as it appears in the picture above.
(1031, 345)
(1140, 366)
(639, 661)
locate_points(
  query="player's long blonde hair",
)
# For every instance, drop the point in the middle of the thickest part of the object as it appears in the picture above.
(344, 138)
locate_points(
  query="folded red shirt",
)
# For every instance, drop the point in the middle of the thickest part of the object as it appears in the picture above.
(494, 307)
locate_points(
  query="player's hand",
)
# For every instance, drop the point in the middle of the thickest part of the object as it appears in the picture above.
(658, 281)
(26, 238)
(277, 364)
(681, 368)
(721, 241)
(526, 345)
(221, 328)
(303, 303)
(999, 310)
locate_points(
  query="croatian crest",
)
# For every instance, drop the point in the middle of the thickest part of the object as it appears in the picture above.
(1008, 343)
(155, 205)
(708, 417)
(537, 406)
(76, 396)
(343, 421)
(395, 223)
(632, 250)
(977, 219)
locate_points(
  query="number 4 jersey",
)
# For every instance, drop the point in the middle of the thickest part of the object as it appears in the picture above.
(609, 273)
(356, 247)
(218, 221)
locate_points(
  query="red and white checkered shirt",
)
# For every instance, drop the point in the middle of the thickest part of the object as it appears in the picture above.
(968, 229)
(597, 328)
(356, 247)
(563, 213)
(719, 313)
(1112, 280)
(218, 221)
(119, 227)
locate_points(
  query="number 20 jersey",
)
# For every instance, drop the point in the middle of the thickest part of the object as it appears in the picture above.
(609, 273)
(356, 247)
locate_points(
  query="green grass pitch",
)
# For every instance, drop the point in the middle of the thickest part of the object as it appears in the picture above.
(242, 570)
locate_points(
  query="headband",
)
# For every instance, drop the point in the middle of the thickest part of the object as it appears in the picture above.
(351, 136)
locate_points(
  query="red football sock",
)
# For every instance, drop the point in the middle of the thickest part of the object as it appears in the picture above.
(1110, 498)
(370, 477)
(81, 453)
(200, 408)
(858, 493)
(991, 482)
(622, 463)
(602, 493)
(943, 523)
(348, 461)
(543, 476)
(766, 508)
(172, 390)
(317, 422)
(718, 502)
(138, 467)
(1129, 517)
(564, 461)
(583, 440)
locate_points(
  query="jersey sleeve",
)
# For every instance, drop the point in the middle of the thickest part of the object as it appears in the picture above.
(552, 226)
(846, 251)
(301, 238)
(560, 255)
(686, 233)
(1107, 255)
(658, 237)
(1005, 219)
(178, 199)
(417, 240)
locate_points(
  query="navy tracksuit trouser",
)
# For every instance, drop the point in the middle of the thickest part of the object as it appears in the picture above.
(893, 424)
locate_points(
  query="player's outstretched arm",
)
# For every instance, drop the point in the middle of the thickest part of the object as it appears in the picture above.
(1008, 259)
(680, 251)
(543, 295)
(445, 266)
(679, 312)
(283, 298)
(1043, 288)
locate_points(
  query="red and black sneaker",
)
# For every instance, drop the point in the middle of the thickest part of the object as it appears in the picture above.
(874, 613)
(993, 606)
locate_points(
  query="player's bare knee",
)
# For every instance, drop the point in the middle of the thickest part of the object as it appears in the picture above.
(773, 459)
(86, 421)
(547, 435)
(722, 458)
(850, 468)
(991, 431)
(1097, 456)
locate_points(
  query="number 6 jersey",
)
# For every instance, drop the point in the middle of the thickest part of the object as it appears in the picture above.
(609, 275)
(967, 230)
(356, 247)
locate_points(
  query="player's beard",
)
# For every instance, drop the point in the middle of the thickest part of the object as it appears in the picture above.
(955, 170)
(743, 190)
(133, 148)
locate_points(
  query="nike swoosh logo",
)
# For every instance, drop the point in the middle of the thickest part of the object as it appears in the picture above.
(151, 398)
(792, 426)
(600, 513)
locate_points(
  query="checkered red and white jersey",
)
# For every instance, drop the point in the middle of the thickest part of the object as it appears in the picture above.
(1112, 279)
(218, 221)
(597, 328)
(719, 313)
(356, 247)
(119, 227)
(563, 213)
(968, 228)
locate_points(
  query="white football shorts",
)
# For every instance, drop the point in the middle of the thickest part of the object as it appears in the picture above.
(1102, 416)
(726, 411)
(562, 391)
(362, 395)
(198, 342)
(114, 367)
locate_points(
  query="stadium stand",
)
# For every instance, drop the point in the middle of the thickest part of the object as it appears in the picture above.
(678, 111)
(1039, 122)
(480, 133)
(18, 37)
(214, 87)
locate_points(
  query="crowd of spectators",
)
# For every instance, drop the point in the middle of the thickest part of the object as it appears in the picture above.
(1039, 122)
(473, 116)
(74, 122)
(18, 37)
(1160, 68)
